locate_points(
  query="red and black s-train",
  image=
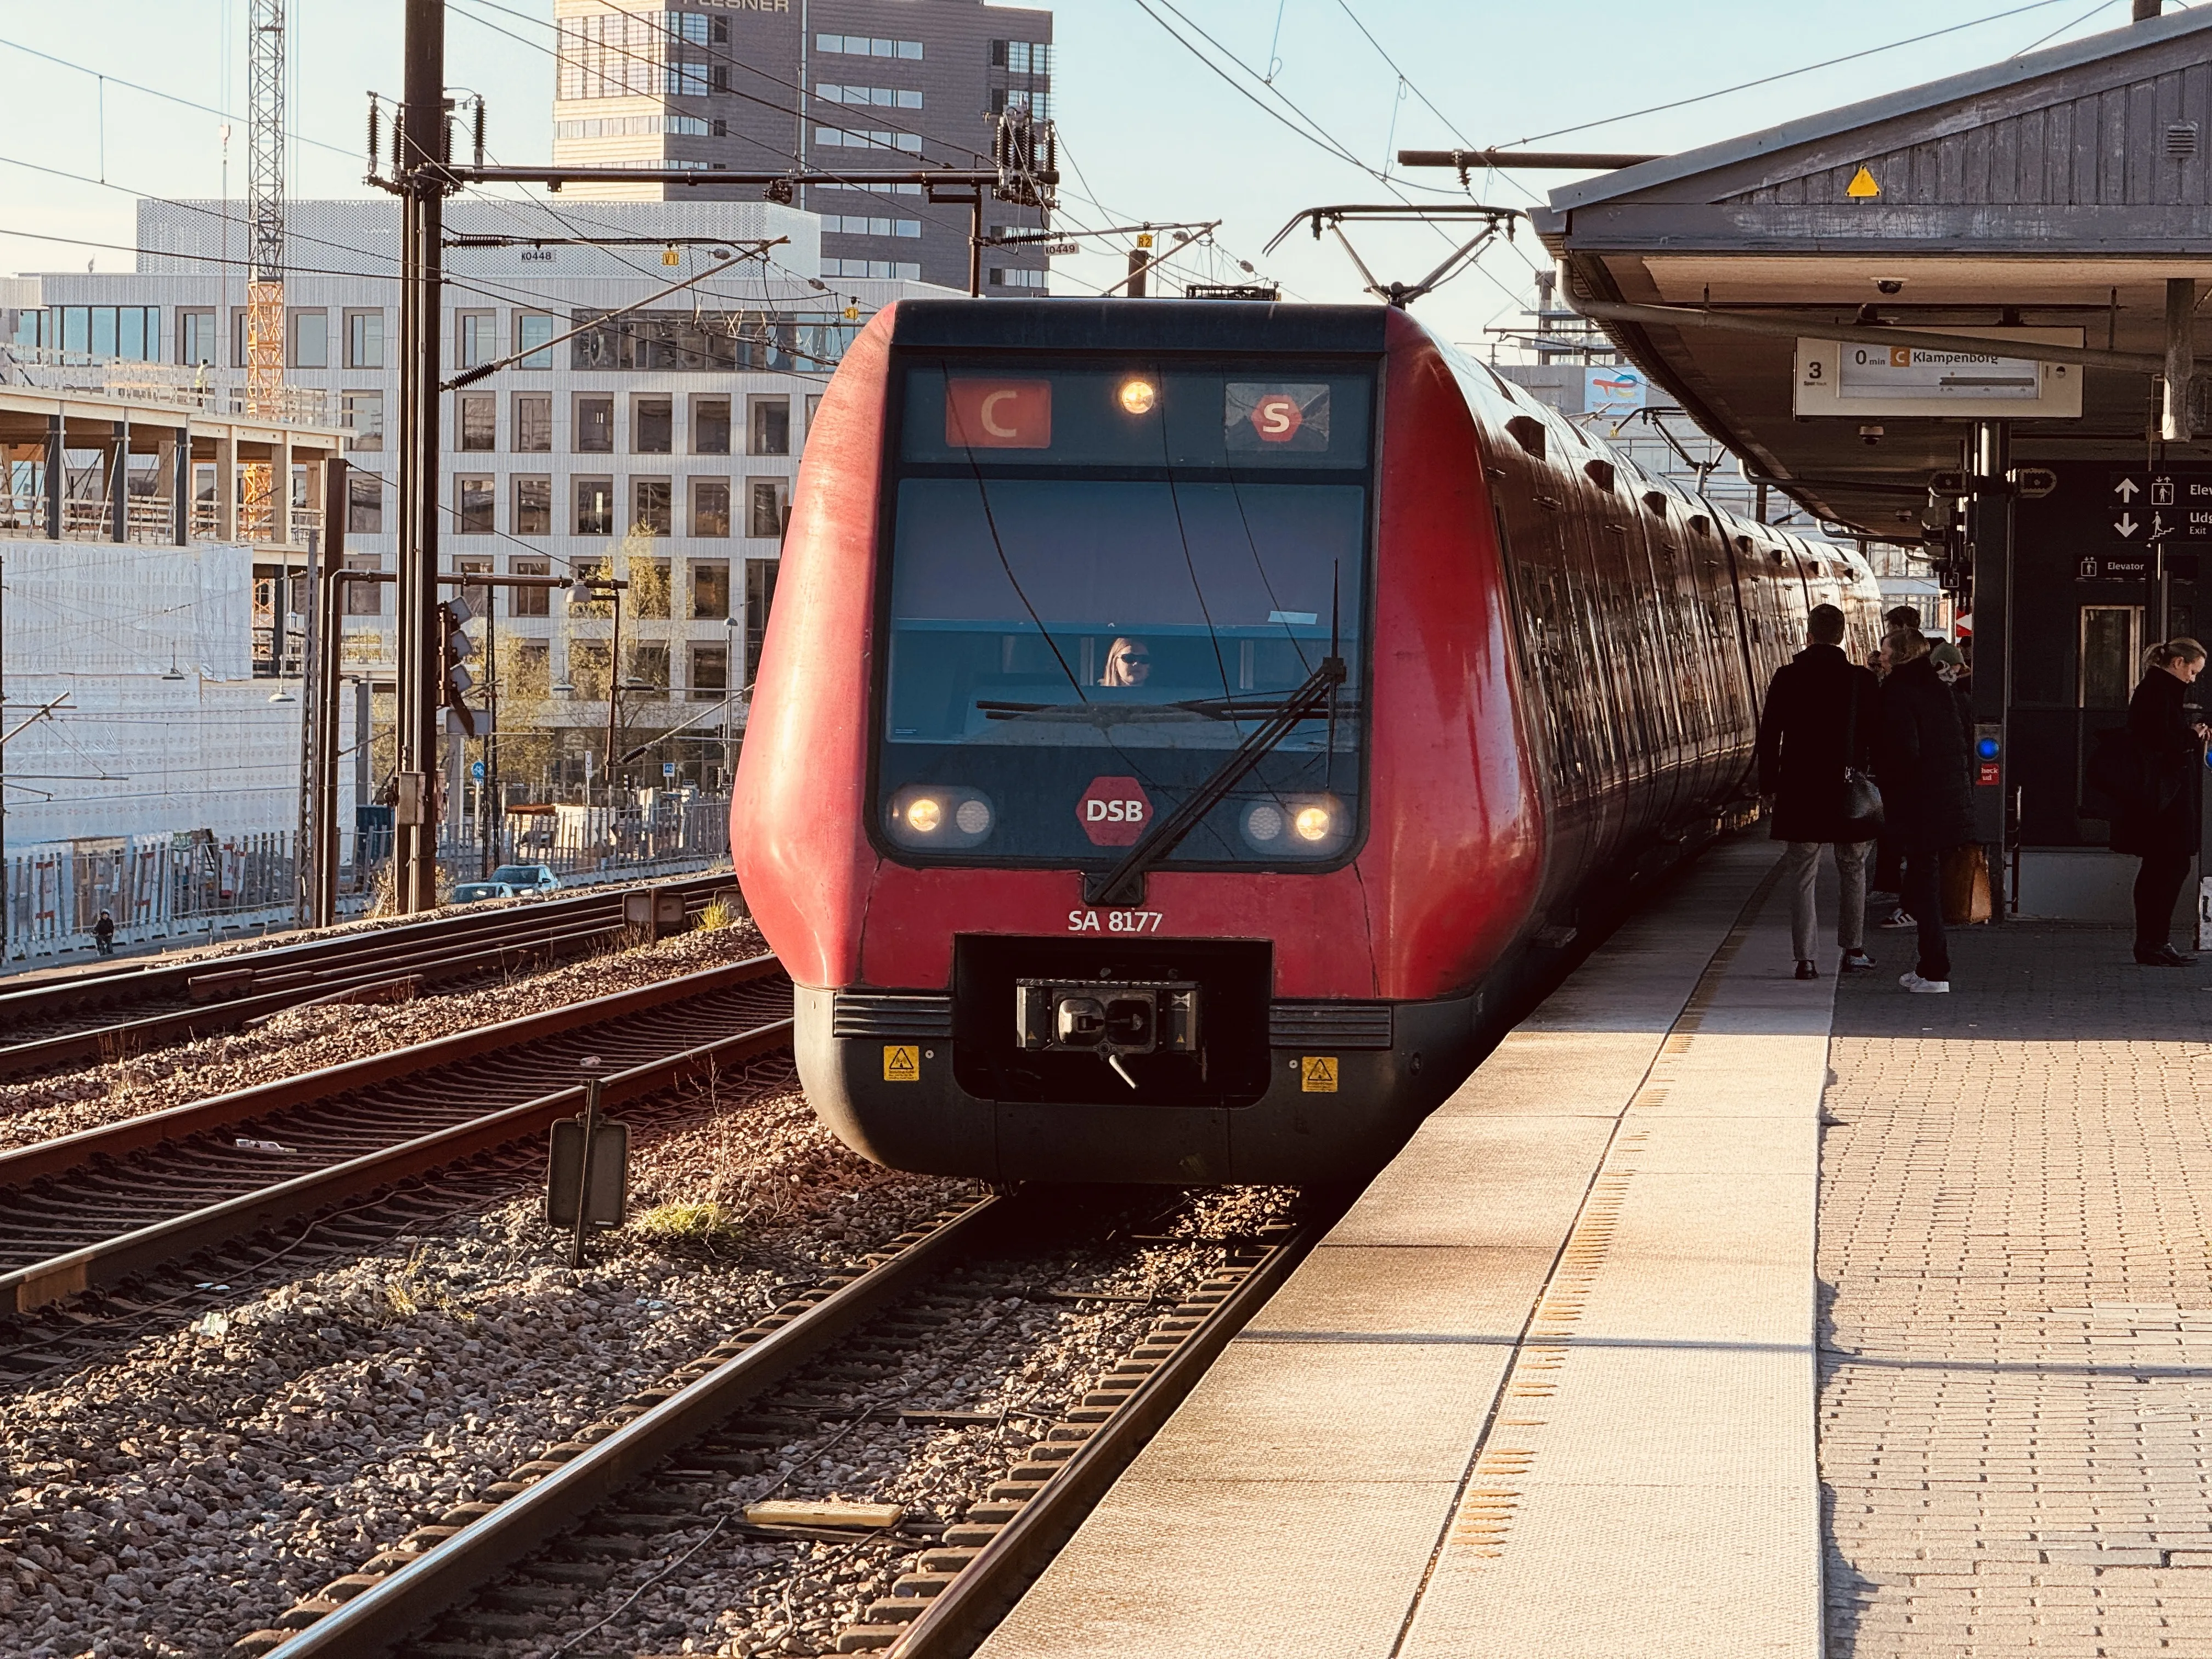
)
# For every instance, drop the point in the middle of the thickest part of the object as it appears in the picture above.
(1180, 722)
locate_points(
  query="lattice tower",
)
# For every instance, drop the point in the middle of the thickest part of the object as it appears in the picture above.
(264, 293)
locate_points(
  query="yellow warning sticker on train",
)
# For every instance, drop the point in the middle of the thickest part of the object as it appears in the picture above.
(902, 1063)
(1317, 1073)
(1862, 186)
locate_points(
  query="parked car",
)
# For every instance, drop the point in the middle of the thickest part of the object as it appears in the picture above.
(527, 878)
(469, 892)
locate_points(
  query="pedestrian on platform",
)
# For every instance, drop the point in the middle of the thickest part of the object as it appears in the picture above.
(1951, 669)
(2158, 821)
(103, 934)
(1818, 727)
(1920, 760)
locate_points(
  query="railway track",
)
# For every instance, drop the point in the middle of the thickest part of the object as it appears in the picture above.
(106, 1016)
(94, 1210)
(622, 1497)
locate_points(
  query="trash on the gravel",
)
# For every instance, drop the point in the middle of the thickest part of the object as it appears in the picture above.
(216, 1325)
(824, 1512)
(248, 1143)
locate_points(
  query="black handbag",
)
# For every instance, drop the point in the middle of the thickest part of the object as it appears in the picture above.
(1863, 810)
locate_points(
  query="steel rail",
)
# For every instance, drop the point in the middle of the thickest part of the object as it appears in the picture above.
(58, 1156)
(114, 1260)
(385, 1614)
(954, 1621)
(429, 963)
(257, 973)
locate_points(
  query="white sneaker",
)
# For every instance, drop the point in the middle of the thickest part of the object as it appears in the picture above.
(1914, 982)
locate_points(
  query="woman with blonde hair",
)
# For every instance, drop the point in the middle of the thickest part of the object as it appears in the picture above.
(2159, 822)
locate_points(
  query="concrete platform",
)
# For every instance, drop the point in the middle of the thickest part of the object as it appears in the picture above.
(1549, 1388)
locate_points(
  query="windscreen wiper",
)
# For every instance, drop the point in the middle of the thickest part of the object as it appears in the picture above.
(1125, 882)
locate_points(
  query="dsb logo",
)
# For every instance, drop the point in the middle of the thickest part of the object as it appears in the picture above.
(1114, 811)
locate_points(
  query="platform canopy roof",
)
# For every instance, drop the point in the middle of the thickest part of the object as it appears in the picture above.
(2060, 189)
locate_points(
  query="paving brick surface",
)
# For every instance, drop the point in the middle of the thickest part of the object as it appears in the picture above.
(2015, 1430)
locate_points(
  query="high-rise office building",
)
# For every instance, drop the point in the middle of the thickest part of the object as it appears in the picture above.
(867, 86)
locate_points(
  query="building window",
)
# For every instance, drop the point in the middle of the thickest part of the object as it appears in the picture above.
(477, 342)
(649, 589)
(587, 667)
(760, 595)
(644, 54)
(363, 414)
(364, 339)
(364, 598)
(595, 507)
(479, 423)
(472, 506)
(710, 506)
(133, 333)
(768, 426)
(710, 672)
(652, 426)
(530, 672)
(873, 97)
(474, 595)
(311, 339)
(868, 138)
(883, 270)
(710, 426)
(595, 425)
(533, 601)
(865, 45)
(364, 517)
(195, 339)
(532, 329)
(650, 506)
(857, 224)
(533, 422)
(710, 590)
(238, 322)
(1009, 277)
(533, 512)
(1036, 105)
(649, 670)
(813, 408)
(636, 126)
(765, 502)
(1022, 57)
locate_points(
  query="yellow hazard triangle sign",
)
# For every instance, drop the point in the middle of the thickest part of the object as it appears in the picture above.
(1862, 186)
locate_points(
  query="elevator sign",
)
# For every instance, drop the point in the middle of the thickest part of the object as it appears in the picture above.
(2146, 509)
(1860, 379)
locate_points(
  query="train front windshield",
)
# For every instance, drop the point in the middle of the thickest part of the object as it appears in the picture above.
(1105, 581)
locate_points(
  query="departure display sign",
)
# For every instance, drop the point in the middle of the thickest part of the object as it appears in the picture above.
(1861, 379)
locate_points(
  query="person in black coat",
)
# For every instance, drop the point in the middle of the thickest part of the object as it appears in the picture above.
(2159, 823)
(1820, 719)
(1920, 760)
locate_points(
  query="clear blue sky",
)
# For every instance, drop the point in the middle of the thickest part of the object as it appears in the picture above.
(1150, 130)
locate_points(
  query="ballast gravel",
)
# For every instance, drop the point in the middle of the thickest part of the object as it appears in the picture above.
(1020, 1353)
(306, 1039)
(194, 1487)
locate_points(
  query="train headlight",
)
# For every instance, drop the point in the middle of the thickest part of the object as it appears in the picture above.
(939, 817)
(1297, 826)
(1138, 395)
